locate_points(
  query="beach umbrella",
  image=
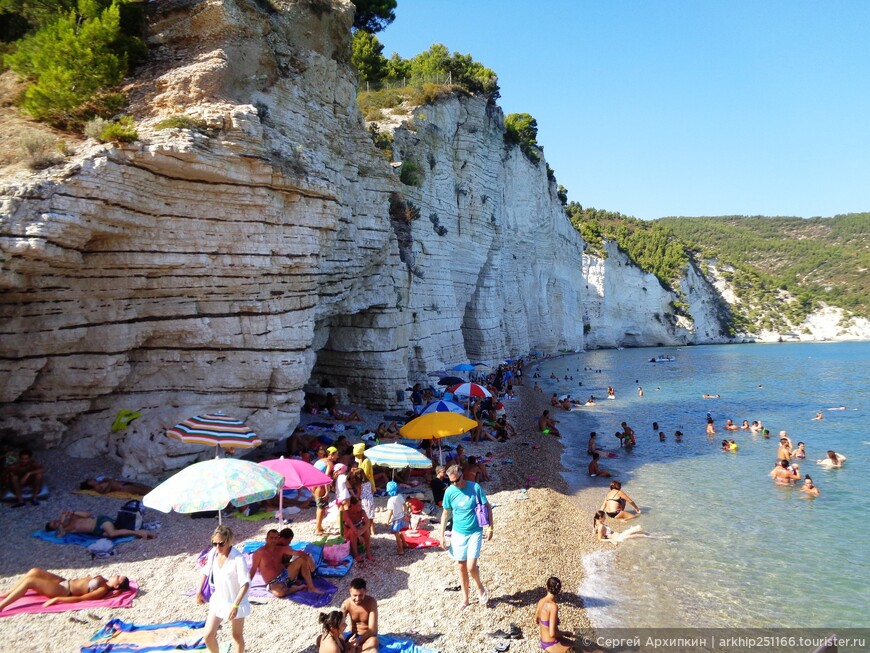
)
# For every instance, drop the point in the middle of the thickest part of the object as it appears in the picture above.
(436, 425)
(215, 430)
(443, 406)
(397, 456)
(482, 367)
(463, 367)
(450, 380)
(297, 474)
(469, 390)
(438, 373)
(213, 485)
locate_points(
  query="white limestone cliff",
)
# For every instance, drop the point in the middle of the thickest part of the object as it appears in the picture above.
(232, 268)
(627, 307)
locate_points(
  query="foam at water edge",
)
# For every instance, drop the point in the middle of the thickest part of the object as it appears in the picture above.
(601, 597)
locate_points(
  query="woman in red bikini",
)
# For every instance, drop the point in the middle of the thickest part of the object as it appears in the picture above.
(553, 640)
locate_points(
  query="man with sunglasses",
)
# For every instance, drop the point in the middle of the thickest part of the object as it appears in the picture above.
(460, 503)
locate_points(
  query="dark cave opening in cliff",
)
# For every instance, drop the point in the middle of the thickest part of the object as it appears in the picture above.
(356, 360)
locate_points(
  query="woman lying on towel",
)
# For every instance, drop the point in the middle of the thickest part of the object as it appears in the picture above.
(61, 590)
(106, 485)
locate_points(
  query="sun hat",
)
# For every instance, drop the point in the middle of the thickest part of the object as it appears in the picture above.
(358, 448)
(340, 468)
(392, 488)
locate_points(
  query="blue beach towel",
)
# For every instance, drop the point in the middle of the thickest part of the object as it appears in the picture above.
(396, 644)
(76, 538)
(120, 637)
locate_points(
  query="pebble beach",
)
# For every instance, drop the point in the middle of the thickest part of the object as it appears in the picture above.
(535, 537)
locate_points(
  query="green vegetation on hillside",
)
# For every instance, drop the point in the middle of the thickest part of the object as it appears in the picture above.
(652, 246)
(73, 54)
(816, 259)
(373, 15)
(434, 66)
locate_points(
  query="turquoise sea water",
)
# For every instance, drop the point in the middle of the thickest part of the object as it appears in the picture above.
(731, 547)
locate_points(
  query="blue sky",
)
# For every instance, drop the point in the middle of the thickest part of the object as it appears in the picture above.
(701, 107)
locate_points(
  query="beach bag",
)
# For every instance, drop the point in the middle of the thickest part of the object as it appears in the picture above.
(102, 548)
(334, 554)
(480, 509)
(207, 588)
(130, 516)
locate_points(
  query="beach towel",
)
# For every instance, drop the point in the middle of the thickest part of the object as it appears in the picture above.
(257, 516)
(77, 538)
(112, 495)
(31, 603)
(120, 637)
(420, 539)
(396, 644)
(259, 591)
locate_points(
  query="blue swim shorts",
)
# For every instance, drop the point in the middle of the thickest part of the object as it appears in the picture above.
(463, 547)
(397, 526)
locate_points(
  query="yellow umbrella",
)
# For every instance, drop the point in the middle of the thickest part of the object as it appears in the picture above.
(437, 425)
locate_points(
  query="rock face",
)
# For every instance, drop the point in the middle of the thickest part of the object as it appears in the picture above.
(627, 307)
(228, 268)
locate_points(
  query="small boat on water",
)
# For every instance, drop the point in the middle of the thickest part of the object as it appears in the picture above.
(663, 359)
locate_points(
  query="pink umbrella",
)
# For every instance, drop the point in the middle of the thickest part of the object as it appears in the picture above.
(297, 473)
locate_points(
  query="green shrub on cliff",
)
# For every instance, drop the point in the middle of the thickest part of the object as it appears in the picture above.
(73, 60)
(521, 129)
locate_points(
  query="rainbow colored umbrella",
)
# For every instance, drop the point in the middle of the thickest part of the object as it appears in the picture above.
(213, 485)
(215, 430)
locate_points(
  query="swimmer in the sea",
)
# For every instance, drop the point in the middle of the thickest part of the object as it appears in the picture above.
(819, 415)
(809, 487)
(731, 426)
(661, 436)
(745, 426)
(595, 470)
(834, 459)
(678, 436)
(783, 474)
(800, 453)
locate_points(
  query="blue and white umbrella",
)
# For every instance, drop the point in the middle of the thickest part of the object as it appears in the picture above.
(463, 367)
(397, 456)
(443, 406)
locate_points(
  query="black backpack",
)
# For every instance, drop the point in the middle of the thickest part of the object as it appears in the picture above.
(130, 516)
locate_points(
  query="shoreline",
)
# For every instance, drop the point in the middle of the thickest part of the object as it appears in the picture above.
(531, 536)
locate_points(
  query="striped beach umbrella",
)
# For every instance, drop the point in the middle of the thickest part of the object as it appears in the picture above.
(397, 456)
(443, 406)
(469, 390)
(215, 430)
(214, 484)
